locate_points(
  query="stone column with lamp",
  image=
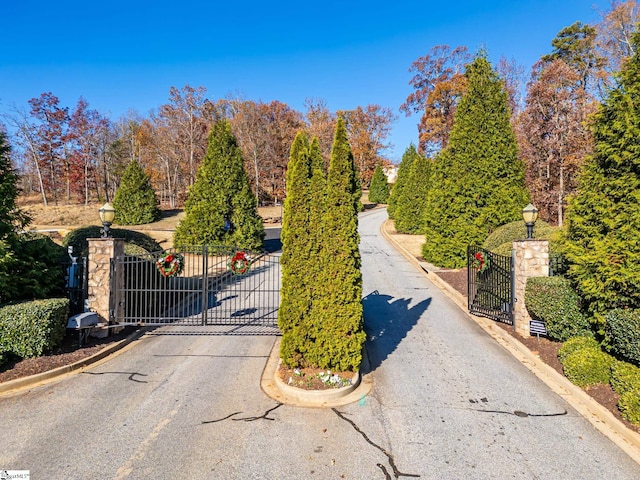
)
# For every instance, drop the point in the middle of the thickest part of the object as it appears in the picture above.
(531, 259)
(102, 280)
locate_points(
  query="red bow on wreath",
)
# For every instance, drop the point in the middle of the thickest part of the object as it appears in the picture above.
(171, 265)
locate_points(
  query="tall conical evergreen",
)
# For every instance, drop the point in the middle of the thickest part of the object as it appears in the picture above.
(410, 207)
(135, 201)
(295, 292)
(603, 246)
(478, 181)
(409, 155)
(220, 207)
(337, 315)
(379, 188)
(12, 219)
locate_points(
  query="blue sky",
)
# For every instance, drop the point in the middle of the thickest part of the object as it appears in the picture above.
(122, 55)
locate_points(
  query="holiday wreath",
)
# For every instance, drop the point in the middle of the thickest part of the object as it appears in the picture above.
(170, 265)
(239, 263)
(480, 262)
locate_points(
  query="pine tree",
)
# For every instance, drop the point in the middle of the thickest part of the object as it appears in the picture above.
(135, 201)
(338, 329)
(478, 181)
(379, 188)
(604, 216)
(409, 155)
(220, 207)
(410, 209)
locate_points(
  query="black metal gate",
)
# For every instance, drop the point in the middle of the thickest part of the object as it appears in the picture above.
(209, 285)
(491, 284)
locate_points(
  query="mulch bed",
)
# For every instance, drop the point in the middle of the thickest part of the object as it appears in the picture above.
(308, 379)
(545, 349)
(65, 354)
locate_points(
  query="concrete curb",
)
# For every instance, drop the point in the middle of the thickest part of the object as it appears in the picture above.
(600, 417)
(13, 386)
(276, 389)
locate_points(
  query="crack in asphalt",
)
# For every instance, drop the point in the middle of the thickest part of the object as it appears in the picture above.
(131, 375)
(396, 473)
(264, 416)
(519, 413)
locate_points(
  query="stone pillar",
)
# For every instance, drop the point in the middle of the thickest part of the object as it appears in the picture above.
(101, 285)
(531, 260)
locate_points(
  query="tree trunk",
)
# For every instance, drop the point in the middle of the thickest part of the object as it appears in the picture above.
(561, 197)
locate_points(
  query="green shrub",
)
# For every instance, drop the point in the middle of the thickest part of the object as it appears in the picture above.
(502, 238)
(625, 377)
(78, 239)
(34, 269)
(622, 334)
(629, 406)
(576, 343)
(509, 232)
(588, 366)
(31, 328)
(552, 300)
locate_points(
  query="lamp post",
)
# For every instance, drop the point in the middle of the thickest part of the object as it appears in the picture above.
(529, 215)
(107, 214)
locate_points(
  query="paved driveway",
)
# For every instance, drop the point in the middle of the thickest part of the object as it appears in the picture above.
(448, 403)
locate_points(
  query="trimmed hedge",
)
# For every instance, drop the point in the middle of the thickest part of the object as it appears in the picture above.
(552, 300)
(78, 239)
(629, 406)
(576, 343)
(31, 328)
(588, 366)
(625, 381)
(622, 334)
(625, 377)
(500, 241)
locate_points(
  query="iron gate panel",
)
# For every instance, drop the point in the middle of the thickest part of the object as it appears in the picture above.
(490, 282)
(205, 292)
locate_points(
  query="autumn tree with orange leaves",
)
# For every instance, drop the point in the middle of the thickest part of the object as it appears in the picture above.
(368, 130)
(552, 136)
(439, 83)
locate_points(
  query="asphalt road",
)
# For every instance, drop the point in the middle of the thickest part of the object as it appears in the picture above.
(447, 403)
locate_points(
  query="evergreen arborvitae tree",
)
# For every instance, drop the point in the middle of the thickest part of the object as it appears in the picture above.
(295, 292)
(220, 207)
(301, 243)
(12, 219)
(29, 264)
(478, 181)
(135, 201)
(411, 204)
(603, 247)
(409, 155)
(379, 188)
(337, 317)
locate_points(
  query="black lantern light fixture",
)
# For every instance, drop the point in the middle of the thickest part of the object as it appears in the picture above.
(529, 215)
(107, 214)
